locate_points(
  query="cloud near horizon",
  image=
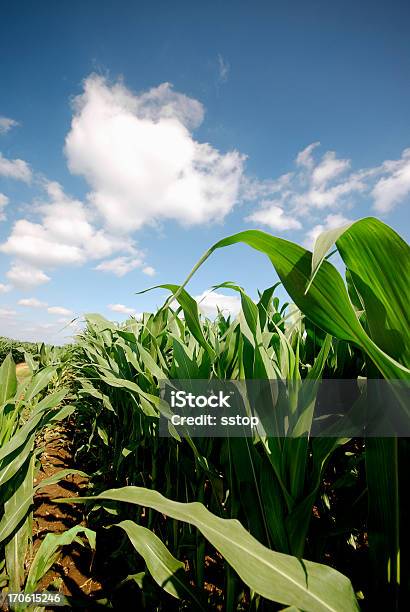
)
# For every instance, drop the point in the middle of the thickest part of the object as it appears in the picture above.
(210, 302)
(122, 309)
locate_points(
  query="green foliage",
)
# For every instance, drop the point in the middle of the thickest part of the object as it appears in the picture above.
(268, 484)
(16, 348)
(270, 512)
(26, 408)
(278, 577)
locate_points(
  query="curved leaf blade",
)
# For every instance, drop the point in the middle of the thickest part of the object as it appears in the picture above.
(278, 577)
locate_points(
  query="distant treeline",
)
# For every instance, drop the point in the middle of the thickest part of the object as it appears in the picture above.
(16, 348)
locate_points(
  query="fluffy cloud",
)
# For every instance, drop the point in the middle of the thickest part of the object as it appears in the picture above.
(121, 265)
(138, 155)
(4, 288)
(31, 242)
(297, 199)
(31, 303)
(15, 169)
(274, 217)
(24, 276)
(6, 124)
(395, 187)
(210, 301)
(3, 203)
(328, 169)
(64, 235)
(54, 310)
(122, 309)
(59, 310)
(304, 158)
(149, 270)
(297, 195)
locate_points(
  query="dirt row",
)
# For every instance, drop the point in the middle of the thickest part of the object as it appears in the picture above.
(73, 574)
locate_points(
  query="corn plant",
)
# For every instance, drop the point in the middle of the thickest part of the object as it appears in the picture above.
(26, 408)
(122, 368)
(378, 268)
(17, 349)
(174, 501)
(359, 327)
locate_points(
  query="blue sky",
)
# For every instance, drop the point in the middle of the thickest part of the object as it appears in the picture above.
(133, 135)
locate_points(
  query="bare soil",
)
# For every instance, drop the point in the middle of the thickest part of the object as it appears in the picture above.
(73, 574)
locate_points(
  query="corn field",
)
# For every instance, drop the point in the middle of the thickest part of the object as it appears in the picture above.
(259, 523)
(16, 348)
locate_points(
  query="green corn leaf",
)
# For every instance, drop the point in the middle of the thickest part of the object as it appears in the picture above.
(278, 577)
(165, 569)
(191, 313)
(39, 382)
(8, 380)
(18, 506)
(323, 244)
(15, 553)
(49, 551)
(15, 461)
(327, 302)
(37, 419)
(378, 261)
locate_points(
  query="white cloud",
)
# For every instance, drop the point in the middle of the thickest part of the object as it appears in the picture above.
(223, 69)
(329, 168)
(274, 217)
(395, 187)
(59, 310)
(120, 265)
(24, 276)
(4, 288)
(64, 236)
(330, 222)
(328, 197)
(31, 242)
(304, 157)
(149, 271)
(32, 303)
(254, 189)
(13, 325)
(54, 310)
(6, 124)
(122, 309)
(15, 168)
(140, 159)
(296, 199)
(7, 312)
(210, 301)
(3, 203)
(292, 200)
